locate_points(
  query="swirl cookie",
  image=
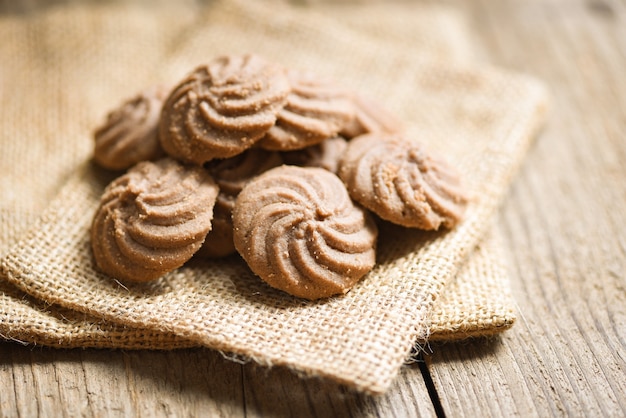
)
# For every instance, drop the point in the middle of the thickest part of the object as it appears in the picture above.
(325, 155)
(231, 175)
(222, 108)
(152, 219)
(369, 117)
(400, 182)
(298, 230)
(316, 109)
(129, 134)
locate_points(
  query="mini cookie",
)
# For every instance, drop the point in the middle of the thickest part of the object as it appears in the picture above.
(129, 134)
(152, 219)
(325, 155)
(316, 109)
(369, 117)
(223, 108)
(396, 179)
(231, 176)
(298, 230)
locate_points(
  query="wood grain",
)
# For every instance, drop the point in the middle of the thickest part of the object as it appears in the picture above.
(191, 382)
(71, 383)
(563, 224)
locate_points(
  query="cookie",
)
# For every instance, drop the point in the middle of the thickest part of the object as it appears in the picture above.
(231, 175)
(152, 219)
(316, 109)
(325, 155)
(129, 134)
(222, 108)
(401, 182)
(300, 232)
(369, 117)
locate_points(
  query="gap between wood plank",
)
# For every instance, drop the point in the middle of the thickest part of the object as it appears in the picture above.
(430, 386)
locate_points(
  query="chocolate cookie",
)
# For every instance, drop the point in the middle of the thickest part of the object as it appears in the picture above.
(129, 134)
(325, 155)
(231, 175)
(316, 109)
(298, 230)
(369, 117)
(152, 219)
(402, 183)
(222, 108)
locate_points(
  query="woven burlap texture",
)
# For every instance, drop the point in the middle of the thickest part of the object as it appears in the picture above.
(433, 32)
(482, 118)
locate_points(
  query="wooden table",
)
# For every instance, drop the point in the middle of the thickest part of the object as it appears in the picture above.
(565, 226)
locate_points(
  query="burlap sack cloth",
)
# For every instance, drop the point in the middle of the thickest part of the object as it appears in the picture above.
(68, 66)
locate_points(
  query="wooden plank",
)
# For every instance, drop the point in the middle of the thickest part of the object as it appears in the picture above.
(71, 383)
(563, 223)
(278, 392)
(194, 382)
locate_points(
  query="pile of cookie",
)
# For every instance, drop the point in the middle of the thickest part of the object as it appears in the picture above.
(281, 166)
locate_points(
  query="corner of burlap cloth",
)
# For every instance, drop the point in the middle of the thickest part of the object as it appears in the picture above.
(482, 119)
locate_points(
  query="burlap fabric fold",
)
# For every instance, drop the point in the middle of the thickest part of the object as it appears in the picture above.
(433, 32)
(483, 119)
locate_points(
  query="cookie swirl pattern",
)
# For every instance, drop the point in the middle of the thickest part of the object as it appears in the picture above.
(222, 108)
(129, 134)
(402, 183)
(152, 219)
(316, 109)
(298, 230)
